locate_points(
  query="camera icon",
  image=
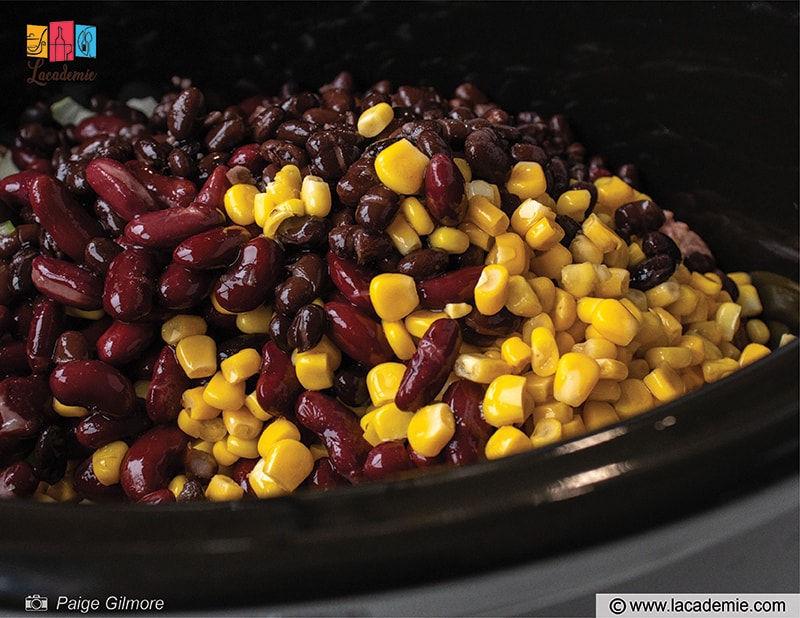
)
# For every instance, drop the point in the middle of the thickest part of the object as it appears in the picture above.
(35, 603)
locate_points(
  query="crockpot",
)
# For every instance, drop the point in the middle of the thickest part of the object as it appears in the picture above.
(703, 99)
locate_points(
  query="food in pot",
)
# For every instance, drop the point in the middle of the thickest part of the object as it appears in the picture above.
(317, 289)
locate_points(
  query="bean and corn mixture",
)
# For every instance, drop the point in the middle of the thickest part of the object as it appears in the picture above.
(317, 289)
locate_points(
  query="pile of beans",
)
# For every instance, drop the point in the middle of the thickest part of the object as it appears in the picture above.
(316, 289)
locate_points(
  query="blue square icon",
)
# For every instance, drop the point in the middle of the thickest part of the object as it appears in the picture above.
(85, 41)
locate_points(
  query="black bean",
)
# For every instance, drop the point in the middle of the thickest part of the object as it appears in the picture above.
(184, 113)
(332, 152)
(424, 264)
(307, 327)
(350, 385)
(49, 458)
(652, 271)
(700, 262)
(200, 465)
(639, 217)
(265, 121)
(370, 245)
(307, 232)
(377, 207)
(487, 156)
(292, 294)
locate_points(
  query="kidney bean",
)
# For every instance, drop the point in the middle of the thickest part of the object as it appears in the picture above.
(180, 164)
(184, 114)
(651, 271)
(67, 283)
(99, 124)
(431, 364)
(168, 382)
(129, 287)
(152, 152)
(99, 253)
(339, 430)
(159, 496)
(24, 404)
(152, 460)
(639, 217)
(352, 280)
(71, 345)
(248, 156)
(95, 385)
(386, 460)
(89, 487)
(277, 387)
(486, 156)
(212, 193)
(357, 335)
(252, 279)
(14, 358)
(214, 248)
(47, 322)
(18, 480)
(465, 399)
(180, 287)
(454, 287)
(165, 229)
(424, 264)
(17, 186)
(99, 429)
(70, 224)
(49, 457)
(377, 207)
(444, 190)
(307, 327)
(324, 476)
(123, 342)
(226, 135)
(119, 188)
(168, 191)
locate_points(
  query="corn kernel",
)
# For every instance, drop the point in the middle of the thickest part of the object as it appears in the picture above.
(664, 383)
(598, 414)
(486, 216)
(194, 404)
(221, 453)
(476, 235)
(418, 322)
(242, 424)
(449, 239)
(464, 168)
(728, 316)
(417, 215)
(601, 234)
(241, 447)
(316, 366)
(618, 257)
(597, 348)
(182, 325)
(263, 485)
(486, 189)
(612, 369)
(540, 388)
(393, 295)
(663, 294)
(492, 289)
(579, 279)
(516, 353)
(549, 263)
(575, 377)
(401, 167)
(750, 300)
(527, 214)
(506, 401)
(107, 461)
(239, 202)
(573, 428)
(583, 249)
(709, 329)
(279, 429)
(390, 422)
(457, 311)
(399, 339)
(709, 284)
(714, 370)
(677, 357)
(605, 390)
(263, 205)
(222, 394)
(480, 368)
(544, 350)
(383, 380)
(547, 431)
(757, 331)
(241, 365)
(510, 251)
(574, 203)
(527, 180)
(521, 300)
(316, 196)
(558, 410)
(251, 403)
(222, 488)
(69, 411)
(431, 428)
(614, 321)
(255, 321)
(634, 398)
(84, 314)
(544, 234)
(545, 291)
(375, 119)
(177, 484)
(404, 238)
(612, 192)
(197, 355)
(507, 440)
(752, 352)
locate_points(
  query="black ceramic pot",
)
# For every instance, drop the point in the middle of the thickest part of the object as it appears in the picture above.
(702, 97)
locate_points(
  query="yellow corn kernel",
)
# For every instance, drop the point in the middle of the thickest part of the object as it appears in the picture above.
(221, 453)
(663, 294)
(222, 488)
(383, 380)
(241, 365)
(527, 214)
(664, 383)
(417, 215)
(279, 429)
(457, 311)
(390, 422)
(614, 321)
(393, 295)
(375, 119)
(583, 249)
(511, 251)
(729, 350)
(282, 212)
(506, 441)
(542, 320)
(635, 254)
(182, 325)
(601, 234)
(84, 314)
(612, 369)
(677, 357)
(197, 408)
(545, 291)
(68, 411)
(197, 355)
(671, 327)
(574, 203)
(618, 257)
(255, 321)
(692, 378)
(476, 235)
(612, 192)
(521, 300)
(573, 428)
(107, 460)
(709, 284)
(686, 301)
(757, 331)
(242, 424)
(527, 180)
(418, 322)
(141, 388)
(246, 449)
(585, 308)
(579, 279)
(206, 429)
(549, 263)
(605, 390)
(750, 300)
(177, 483)
(714, 370)
(506, 401)
(316, 196)
(239, 202)
(263, 485)
(728, 316)
(401, 167)
(636, 298)
(492, 289)
(547, 431)
(316, 366)
(540, 388)
(544, 352)
(516, 353)
(464, 168)
(367, 423)
(575, 377)
(222, 394)
(480, 368)
(598, 414)
(597, 348)
(709, 329)
(486, 189)
(404, 238)
(544, 234)
(696, 346)
(565, 341)
(449, 239)
(486, 216)
(399, 339)
(431, 428)
(753, 352)
(263, 205)
(251, 403)
(634, 398)
(558, 410)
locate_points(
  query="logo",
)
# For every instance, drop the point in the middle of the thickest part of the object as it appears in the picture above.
(60, 42)
(35, 603)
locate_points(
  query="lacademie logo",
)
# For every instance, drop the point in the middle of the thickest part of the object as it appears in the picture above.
(63, 42)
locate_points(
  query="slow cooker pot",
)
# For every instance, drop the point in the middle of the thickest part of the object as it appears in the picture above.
(702, 97)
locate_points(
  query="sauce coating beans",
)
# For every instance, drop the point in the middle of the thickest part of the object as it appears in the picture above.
(309, 290)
